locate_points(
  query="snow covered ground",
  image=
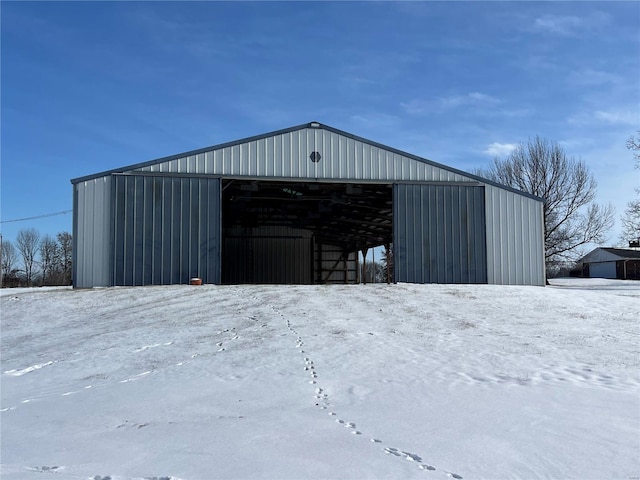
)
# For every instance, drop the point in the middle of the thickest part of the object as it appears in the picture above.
(314, 382)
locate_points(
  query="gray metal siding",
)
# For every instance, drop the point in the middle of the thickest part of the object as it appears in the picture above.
(439, 234)
(515, 238)
(286, 155)
(166, 230)
(91, 225)
(513, 233)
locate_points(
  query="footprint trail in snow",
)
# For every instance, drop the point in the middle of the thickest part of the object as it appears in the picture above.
(322, 402)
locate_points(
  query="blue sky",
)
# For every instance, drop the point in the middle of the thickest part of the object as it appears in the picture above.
(90, 86)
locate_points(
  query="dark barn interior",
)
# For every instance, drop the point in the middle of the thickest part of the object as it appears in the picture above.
(301, 232)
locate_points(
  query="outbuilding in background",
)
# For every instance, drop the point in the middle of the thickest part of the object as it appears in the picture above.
(296, 206)
(607, 262)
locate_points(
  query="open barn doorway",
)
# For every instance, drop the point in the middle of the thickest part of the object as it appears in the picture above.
(301, 232)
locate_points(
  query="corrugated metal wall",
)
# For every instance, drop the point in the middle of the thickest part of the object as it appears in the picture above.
(515, 238)
(267, 255)
(513, 234)
(287, 155)
(439, 234)
(166, 230)
(91, 233)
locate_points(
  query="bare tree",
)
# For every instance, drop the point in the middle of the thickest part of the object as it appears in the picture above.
(631, 217)
(375, 272)
(28, 241)
(571, 218)
(65, 246)
(48, 260)
(387, 262)
(633, 144)
(631, 223)
(9, 258)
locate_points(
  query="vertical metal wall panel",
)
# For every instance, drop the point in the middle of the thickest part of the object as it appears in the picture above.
(166, 230)
(91, 232)
(439, 234)
(267, 255)
(515, 238)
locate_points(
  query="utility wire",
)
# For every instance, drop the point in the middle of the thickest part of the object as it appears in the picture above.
(37, 216)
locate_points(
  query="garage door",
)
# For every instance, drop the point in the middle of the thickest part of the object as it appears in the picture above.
(602, 270)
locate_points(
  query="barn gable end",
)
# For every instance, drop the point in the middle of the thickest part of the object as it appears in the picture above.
(332, 185)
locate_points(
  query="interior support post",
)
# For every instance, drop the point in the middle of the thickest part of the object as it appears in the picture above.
(319, 276)
(345, 266)
(365, 250)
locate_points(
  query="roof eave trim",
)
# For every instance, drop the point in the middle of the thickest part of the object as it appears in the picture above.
(148, 163)
(433, 163)
(311, 125)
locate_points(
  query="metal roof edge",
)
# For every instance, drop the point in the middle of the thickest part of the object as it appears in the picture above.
(432, 163)
(135, 166)
(312, 125)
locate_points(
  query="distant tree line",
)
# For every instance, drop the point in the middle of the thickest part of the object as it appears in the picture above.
(376, 271)
(36, 260)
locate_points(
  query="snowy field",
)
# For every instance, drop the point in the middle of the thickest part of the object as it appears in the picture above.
(322, 382)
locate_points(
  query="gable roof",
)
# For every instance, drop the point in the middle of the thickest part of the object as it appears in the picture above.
(610, 254)
(623, 252)
(452, 174)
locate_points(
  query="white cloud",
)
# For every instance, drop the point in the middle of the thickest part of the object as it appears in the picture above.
(590, 77)
(516, 112)
(500, 149)
(473, 98)
(560, 25)
(374, 119)
(440, 104)
(416, 107)
(571, 25)
(610, 117)
(623, 117)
